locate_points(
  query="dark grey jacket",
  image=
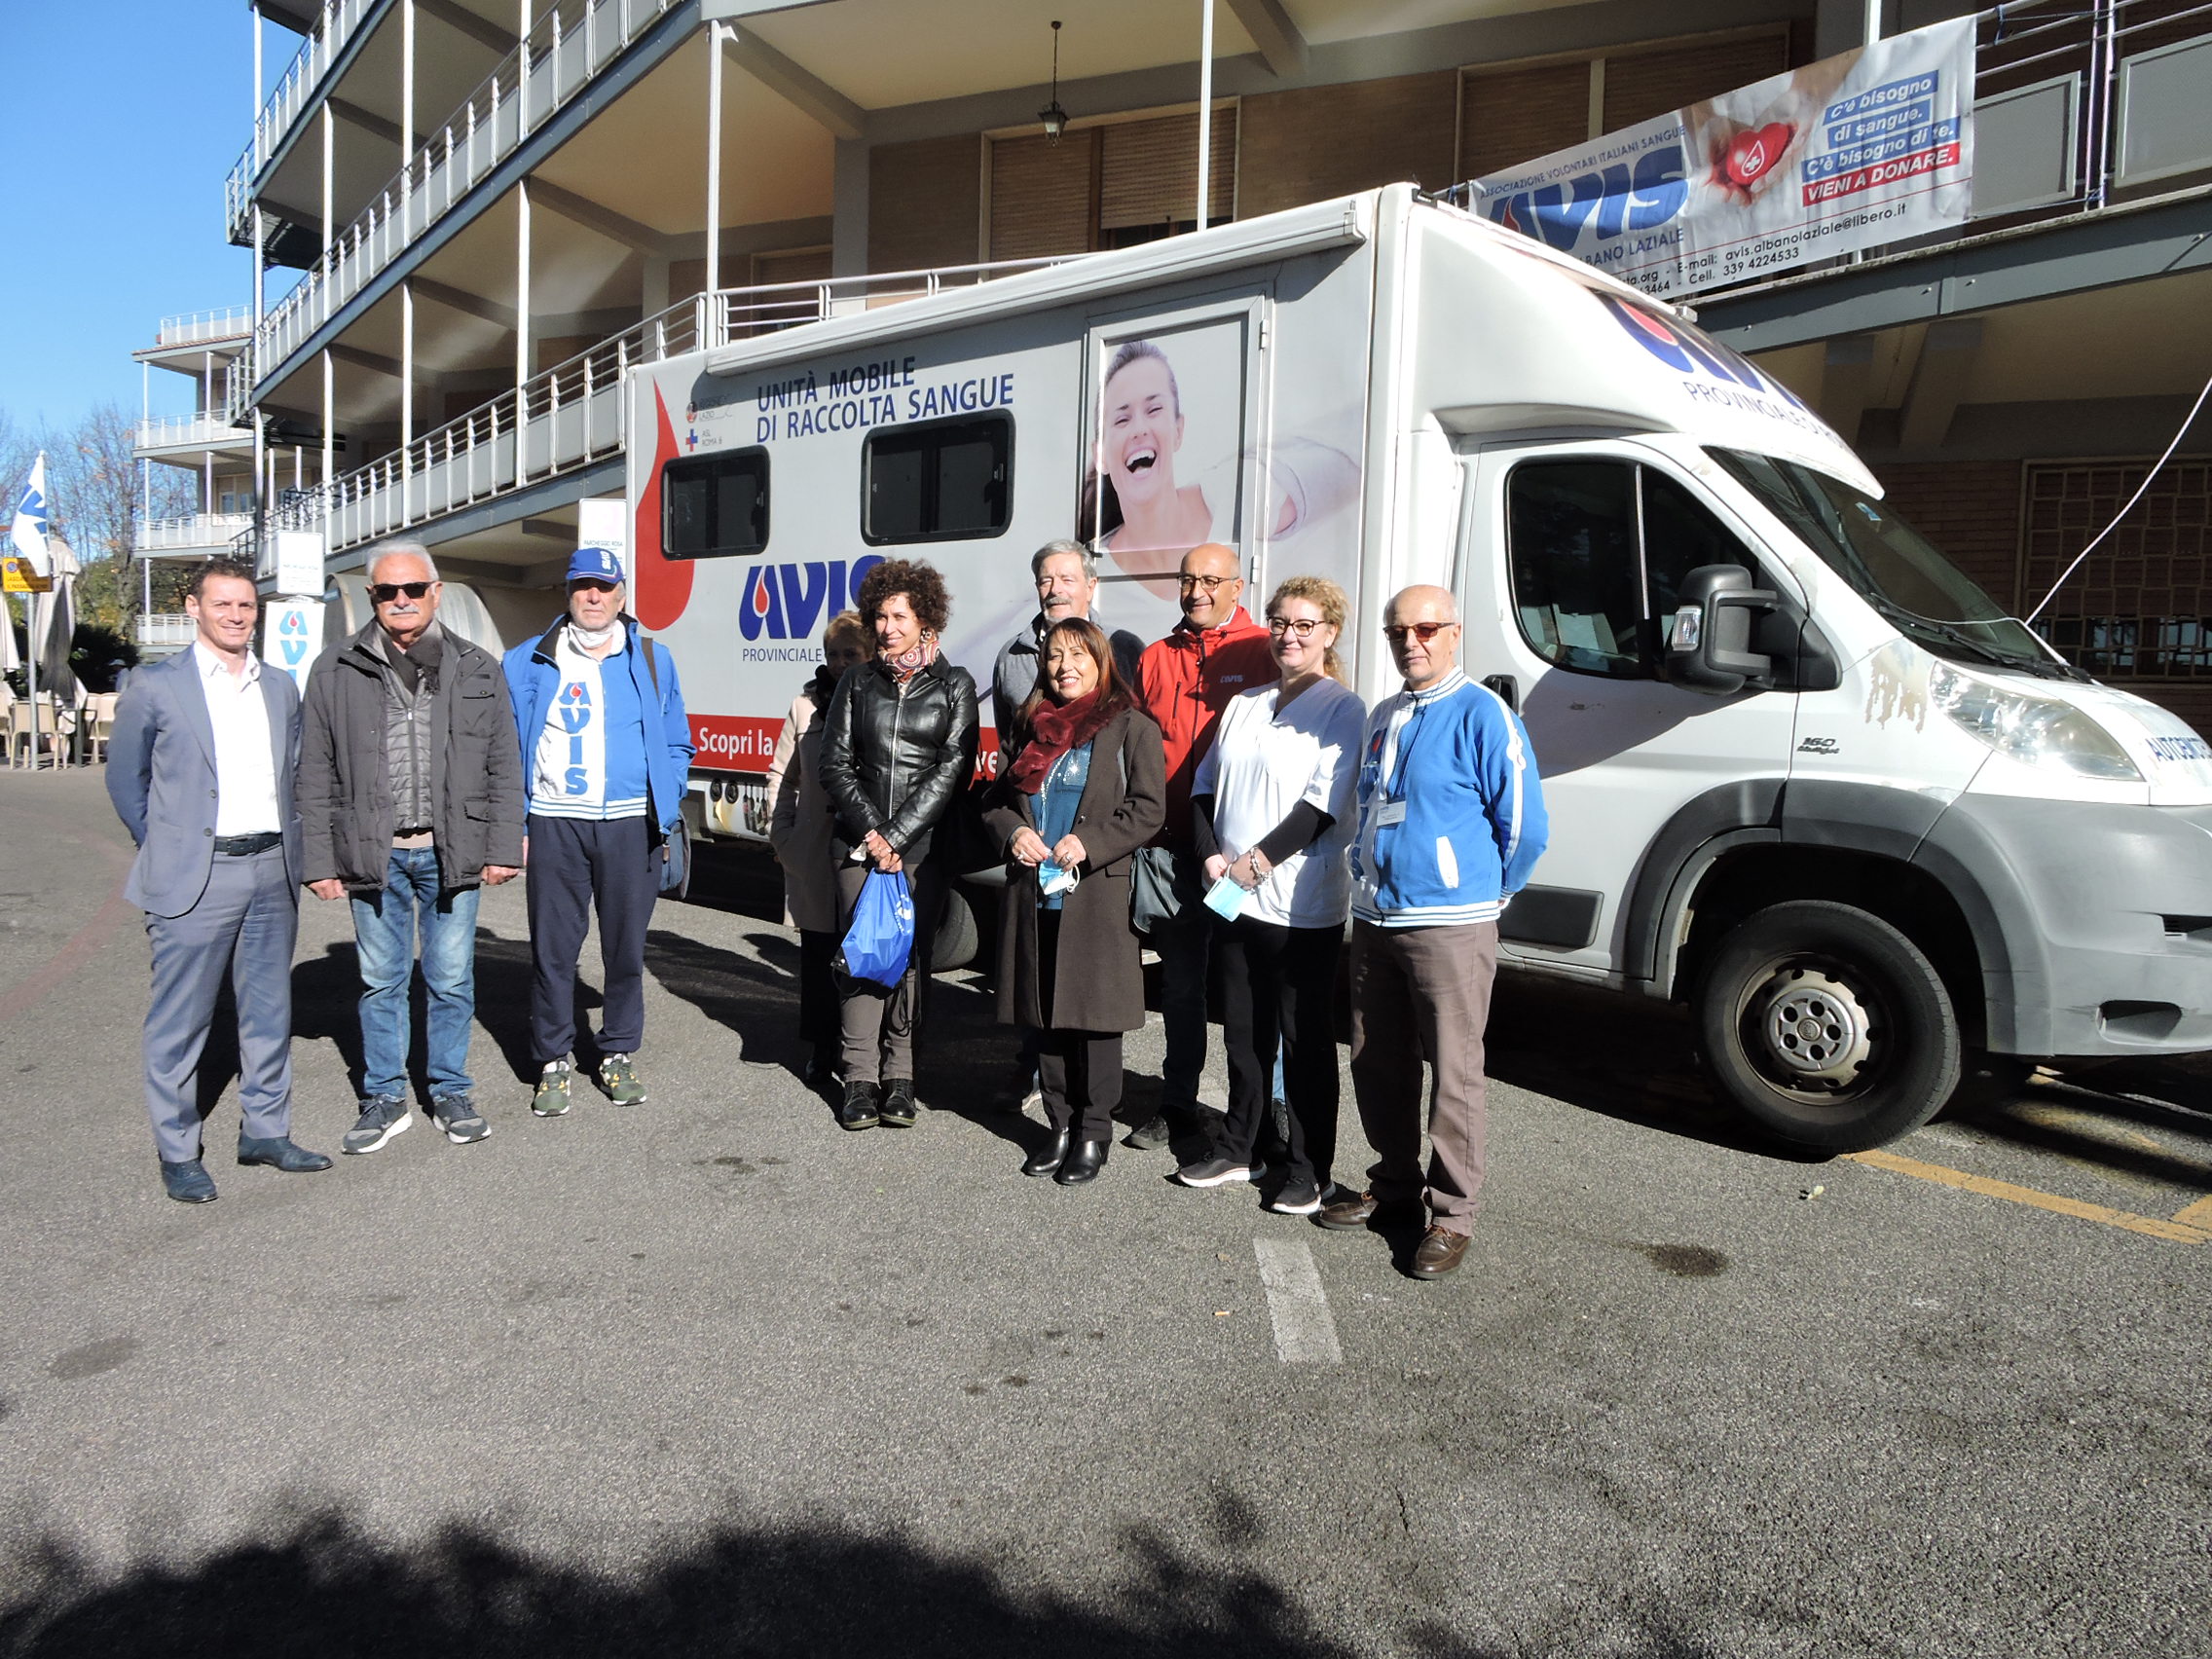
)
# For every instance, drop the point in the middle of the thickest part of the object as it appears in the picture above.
(345, 777)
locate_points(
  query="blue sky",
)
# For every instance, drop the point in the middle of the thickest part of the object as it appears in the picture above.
(134, 111)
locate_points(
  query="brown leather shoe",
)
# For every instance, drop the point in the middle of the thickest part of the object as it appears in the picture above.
(1439, 1253)
(1346, 1212)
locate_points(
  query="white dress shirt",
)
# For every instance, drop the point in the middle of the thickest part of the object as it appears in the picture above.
(246, 759)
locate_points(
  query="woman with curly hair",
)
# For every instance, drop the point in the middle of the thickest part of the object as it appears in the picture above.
(898, 747)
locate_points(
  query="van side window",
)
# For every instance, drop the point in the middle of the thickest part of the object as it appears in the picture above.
(1572, 529)
(1599, 549)
(714, 507)
(1679, 535)
(938, 480)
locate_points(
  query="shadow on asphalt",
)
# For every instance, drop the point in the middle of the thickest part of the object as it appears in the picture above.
(317, 1584)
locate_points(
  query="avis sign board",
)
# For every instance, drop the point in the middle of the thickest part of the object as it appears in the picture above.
(291, 636)
(1869, 146)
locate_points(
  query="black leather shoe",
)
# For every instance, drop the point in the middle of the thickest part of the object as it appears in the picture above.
(1048, 1157)
(278, 1153)
(1150, 1135)
(1082, 1164)
(897, 1109)
(857, 1110)
(187, 1182)
(821, 1072)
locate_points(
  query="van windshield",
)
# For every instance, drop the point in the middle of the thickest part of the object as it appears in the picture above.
(1892, 566)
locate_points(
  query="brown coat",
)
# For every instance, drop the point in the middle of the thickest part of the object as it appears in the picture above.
(1098, 984)
(803, 821)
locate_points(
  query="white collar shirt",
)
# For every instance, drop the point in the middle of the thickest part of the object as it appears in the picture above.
(246, 759)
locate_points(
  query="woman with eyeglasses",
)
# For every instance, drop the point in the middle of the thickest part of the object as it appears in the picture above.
(1088, 787)
(1272, 816)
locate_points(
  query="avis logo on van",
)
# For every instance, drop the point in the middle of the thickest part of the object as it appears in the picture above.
(792, 602)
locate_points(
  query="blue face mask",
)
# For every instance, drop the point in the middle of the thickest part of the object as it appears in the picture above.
(1052, 879)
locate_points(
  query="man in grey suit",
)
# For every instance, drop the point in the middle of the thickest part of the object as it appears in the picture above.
(199, 769)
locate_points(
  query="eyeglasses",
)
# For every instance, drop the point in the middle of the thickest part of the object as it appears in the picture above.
(1209, 583)
(1421, 631)
(384, 593)
(1302, 626)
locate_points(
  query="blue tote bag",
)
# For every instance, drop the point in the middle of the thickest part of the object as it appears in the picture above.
(883, 934)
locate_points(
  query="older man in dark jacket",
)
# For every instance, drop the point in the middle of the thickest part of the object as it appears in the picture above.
(411, 799)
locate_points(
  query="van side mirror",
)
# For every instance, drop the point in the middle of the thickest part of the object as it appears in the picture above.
(1710, 638)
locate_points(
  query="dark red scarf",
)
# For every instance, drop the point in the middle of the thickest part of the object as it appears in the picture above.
(1058, 728)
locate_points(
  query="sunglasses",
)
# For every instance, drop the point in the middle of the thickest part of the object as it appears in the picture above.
(1209, 583)
(1302, 626)
(384, 593)
(1421, 631)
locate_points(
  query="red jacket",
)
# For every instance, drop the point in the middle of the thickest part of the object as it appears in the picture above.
(1185, 681)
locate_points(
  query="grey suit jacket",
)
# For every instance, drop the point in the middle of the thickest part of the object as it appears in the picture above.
(160, 775)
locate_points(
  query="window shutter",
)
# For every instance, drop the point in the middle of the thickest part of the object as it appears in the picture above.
(792, 265)
(1149, 171)
(1042, 195)
(1513, 116)
(1641, 85)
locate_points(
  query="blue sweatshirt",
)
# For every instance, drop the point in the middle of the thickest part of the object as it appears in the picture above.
(1451, 813)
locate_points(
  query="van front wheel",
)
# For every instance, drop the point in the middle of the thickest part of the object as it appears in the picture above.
(1828, 1027)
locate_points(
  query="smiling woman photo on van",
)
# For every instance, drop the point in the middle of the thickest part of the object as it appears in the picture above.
(1140, 507)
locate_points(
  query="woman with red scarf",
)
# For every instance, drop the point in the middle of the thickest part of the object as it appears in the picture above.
(1087, 789)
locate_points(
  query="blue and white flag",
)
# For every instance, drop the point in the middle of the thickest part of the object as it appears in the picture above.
(29, 529)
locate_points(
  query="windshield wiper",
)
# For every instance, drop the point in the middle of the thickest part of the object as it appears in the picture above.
(2042, 667)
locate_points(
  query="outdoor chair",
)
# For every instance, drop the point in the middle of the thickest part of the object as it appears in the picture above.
(20, 730)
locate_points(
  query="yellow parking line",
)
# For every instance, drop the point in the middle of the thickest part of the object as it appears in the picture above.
(2183, 1228)
(2198, 1214)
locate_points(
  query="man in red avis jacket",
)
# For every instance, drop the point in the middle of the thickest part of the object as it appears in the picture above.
(1185, 681)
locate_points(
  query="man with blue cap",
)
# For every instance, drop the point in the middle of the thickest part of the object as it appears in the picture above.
(606, 750)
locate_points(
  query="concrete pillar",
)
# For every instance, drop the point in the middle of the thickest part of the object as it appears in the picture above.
(848, 223)
(522, 281)
(330, 418)
(714, 157)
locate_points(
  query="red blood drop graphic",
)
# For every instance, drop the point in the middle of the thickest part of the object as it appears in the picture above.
(1752, 154)
(660, 587)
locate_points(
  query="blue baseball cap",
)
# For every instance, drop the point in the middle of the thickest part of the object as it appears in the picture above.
(594, 565)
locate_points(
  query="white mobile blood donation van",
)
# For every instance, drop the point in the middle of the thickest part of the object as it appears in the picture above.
(1802, 774)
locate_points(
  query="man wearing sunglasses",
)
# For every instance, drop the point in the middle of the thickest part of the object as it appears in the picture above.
(411, 801)
(1451, 822)
(1184, 683)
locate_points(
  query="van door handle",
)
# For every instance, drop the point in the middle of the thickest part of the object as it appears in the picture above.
(1506, 688)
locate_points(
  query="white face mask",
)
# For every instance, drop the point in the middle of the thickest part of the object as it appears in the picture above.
(591, 639)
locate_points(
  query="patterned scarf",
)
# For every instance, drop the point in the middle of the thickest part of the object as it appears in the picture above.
(1058, 728)
(910, 662)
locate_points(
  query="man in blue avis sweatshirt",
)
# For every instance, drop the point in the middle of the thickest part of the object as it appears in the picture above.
(606, 750)
(1451, 822)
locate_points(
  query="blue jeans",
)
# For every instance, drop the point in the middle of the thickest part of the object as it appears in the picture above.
(383, 928)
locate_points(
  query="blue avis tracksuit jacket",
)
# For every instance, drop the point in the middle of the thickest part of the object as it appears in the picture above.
(533, 678)
(1471, 824)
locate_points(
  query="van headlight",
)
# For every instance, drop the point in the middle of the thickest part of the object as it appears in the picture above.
(2035, 731)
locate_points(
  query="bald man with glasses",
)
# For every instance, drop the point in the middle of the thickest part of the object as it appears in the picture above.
(1451, 823)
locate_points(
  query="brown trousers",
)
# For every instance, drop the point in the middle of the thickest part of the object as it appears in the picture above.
(1422, 993)
(877, 1023)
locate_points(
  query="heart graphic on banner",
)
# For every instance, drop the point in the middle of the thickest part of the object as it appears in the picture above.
(1752, 155)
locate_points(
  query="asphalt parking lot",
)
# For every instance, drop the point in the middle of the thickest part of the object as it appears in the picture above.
(711, 1375)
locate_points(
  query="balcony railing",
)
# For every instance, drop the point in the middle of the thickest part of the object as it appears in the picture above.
(287, 102)
(577, 412)
(206, 328)
(200, 427)
(193, 533)
(567, 47)
(160, 633)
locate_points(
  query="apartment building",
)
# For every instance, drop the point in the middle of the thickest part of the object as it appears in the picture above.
(473, 216)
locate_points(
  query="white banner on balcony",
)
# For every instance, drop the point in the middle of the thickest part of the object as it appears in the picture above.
(1871, 146)
(291, 636)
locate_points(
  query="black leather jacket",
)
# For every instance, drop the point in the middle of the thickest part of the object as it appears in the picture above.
(895, 763)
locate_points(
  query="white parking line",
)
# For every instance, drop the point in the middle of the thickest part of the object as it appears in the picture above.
(1306, 1332)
